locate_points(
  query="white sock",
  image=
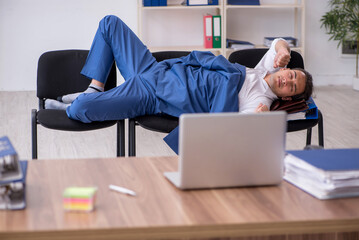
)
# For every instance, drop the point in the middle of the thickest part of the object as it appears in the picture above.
(53, 104)
(69, 98)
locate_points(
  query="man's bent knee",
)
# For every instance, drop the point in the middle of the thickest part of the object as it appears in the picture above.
(109, 23)
(78, 110)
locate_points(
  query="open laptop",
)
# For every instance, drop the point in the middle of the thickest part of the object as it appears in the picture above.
(230, 150)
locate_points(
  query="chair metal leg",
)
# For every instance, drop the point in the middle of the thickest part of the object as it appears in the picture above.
(309, 136)
(121, 138)
(320, 129)
(131, 138)
(34, 133)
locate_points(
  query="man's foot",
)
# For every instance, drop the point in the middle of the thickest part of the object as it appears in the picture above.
(53, 104)
(69, 98)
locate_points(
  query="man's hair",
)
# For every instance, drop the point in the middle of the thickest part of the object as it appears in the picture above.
(308, 90)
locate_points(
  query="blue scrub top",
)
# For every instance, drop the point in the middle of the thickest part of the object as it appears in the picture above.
(197, 83)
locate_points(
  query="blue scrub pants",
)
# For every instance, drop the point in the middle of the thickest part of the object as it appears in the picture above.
(114, 40)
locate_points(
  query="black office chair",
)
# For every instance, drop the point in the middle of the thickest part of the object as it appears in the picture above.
(58, 74)
(250, 58)
(159, 123)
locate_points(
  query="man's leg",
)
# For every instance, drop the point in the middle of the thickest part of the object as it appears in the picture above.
(114, 40)
(95, 86)
(130, 99)
(63, 102)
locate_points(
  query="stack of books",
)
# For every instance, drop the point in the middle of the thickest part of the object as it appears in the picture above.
(324, 173)
(291, 41)
(12, 177)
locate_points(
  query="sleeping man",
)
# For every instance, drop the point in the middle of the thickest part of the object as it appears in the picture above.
(199, 82)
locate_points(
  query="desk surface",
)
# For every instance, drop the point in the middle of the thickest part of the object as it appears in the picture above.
(162, 211)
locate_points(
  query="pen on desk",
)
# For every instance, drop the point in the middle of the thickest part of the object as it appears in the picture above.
(122, 190)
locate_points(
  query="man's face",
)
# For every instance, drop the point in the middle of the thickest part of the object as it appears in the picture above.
(287, 82)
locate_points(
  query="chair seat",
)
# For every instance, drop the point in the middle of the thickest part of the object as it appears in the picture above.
(297, 125)
(159, 123)
(166, 123)
(58, 119)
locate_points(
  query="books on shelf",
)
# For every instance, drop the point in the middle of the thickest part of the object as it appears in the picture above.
(293, 42)
(154, 3)
(217, 33)
(238, 45)
(324, 173)
(12, 177)
(212, 32)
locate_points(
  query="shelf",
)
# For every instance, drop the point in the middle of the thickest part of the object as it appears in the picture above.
(183, 48)
(179, 7)
(230, 50)
(225, 10)
(274, 6)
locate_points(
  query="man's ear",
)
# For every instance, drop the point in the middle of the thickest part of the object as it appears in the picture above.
(286, 98)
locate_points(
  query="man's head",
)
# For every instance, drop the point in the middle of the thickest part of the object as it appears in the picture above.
(290, 84)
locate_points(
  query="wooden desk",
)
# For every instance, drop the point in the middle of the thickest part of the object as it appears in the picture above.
(160, 211)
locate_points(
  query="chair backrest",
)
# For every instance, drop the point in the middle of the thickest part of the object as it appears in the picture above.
(58, 73)
(250, 57)
(160, 56)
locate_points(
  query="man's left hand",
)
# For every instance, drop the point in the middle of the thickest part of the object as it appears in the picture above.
(282, 58)
(262, 108)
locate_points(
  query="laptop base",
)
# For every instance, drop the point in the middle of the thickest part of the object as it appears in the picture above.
(173, 177)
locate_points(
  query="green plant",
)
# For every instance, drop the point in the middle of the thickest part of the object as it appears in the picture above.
(342, 23)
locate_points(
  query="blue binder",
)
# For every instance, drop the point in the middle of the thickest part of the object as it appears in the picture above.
(154, 3)
(147, 3)
(243, 2)
(312, 111)
(330, 159)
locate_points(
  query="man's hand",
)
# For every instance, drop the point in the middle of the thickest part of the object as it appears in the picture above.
(282, 57)
(262, 108)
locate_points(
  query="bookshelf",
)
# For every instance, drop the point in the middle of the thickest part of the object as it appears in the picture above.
(292, 20)
(291, 10)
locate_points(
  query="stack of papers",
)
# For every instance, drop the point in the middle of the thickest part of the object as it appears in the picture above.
(325, 174)
(239, 45)
(292, 42)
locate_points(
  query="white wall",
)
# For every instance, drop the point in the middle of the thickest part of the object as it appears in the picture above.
(323, 59)
(30, 27)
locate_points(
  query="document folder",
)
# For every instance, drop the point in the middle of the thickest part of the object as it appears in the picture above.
(324, 173)
(207, 27)
(12, 193)
(217, 32)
